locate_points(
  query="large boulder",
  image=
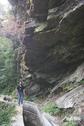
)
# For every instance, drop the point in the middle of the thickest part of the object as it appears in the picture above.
(33, 117)
(72, 98)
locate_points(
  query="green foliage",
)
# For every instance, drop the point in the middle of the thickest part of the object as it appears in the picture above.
(70, 123)
(26, 82)
(68, 87)
(8, 74)
(51, 108)
(82, 82)
(26, 98)
(6, 112)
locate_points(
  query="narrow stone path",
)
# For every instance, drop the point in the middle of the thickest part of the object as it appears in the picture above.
(17, 120)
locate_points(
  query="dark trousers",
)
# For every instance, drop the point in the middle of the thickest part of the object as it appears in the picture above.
(20, 98)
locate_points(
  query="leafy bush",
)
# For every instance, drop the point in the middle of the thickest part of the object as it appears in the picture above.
(70, 123)
(6, 112)
(51, 108)
(82, 82)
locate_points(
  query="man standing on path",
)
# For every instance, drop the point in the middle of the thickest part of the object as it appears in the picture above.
(20, 89)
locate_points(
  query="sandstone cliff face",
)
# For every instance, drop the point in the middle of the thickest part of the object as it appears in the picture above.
(54, 40)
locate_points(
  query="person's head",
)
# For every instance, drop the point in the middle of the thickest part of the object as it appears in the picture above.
(20, 82)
